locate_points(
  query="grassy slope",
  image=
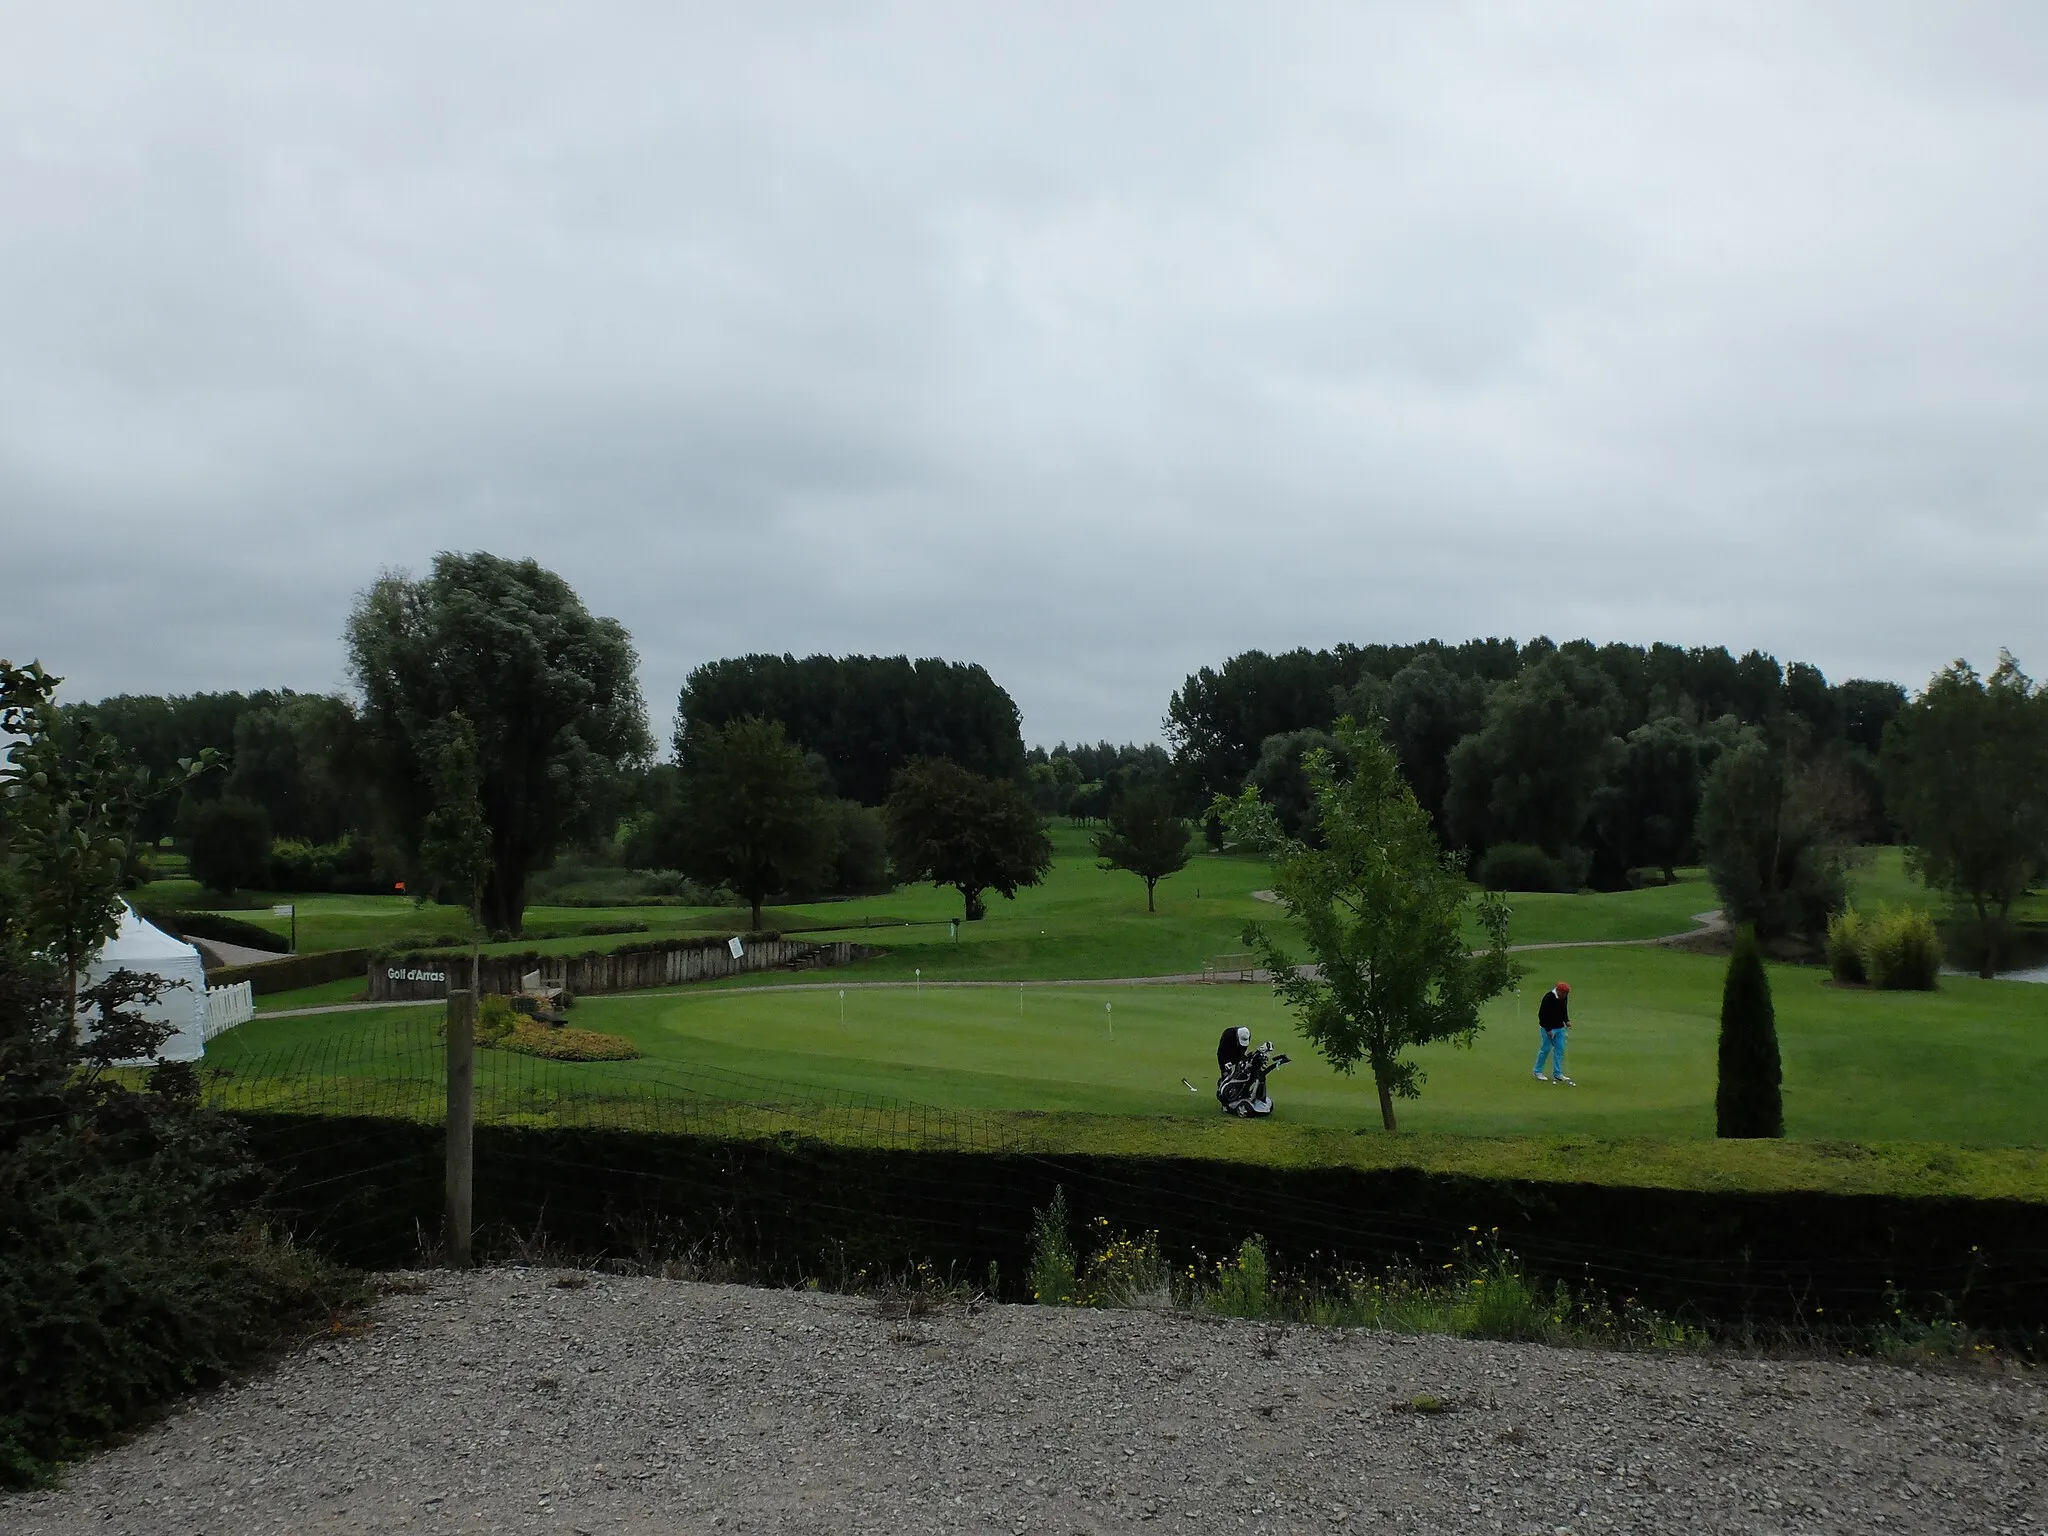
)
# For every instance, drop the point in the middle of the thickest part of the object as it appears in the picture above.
(1083, 921)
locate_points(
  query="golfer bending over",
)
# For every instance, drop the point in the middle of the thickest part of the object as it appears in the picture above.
(1553, 1017)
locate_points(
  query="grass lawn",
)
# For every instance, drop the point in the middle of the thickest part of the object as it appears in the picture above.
(1100, 1067)
(1083, 921)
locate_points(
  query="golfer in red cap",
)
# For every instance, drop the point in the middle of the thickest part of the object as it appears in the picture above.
(1553, 1017)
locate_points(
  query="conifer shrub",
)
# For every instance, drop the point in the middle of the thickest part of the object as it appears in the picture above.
(1747, 1100)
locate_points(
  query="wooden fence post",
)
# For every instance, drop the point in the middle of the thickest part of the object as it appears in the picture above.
(461, 1123)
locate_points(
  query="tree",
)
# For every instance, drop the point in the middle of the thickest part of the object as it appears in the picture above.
(1146, 837)
(865, 716)
(1381, 906)
(1747, 1100)
(1965, 769)
(69, 800)
(455, 839)
(549, 689)
(1646, 813)
(1530, 773)
(1775, 836)
(230, 843)
(953, 827)
(1429, 710)
(1281, 778)
(748, 813)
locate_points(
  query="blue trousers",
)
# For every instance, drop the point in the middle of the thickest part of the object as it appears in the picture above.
(1553, 1051)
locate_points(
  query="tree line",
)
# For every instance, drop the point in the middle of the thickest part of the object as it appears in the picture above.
(1557, 766)
(790, 776)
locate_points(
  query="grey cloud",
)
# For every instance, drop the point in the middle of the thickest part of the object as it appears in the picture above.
(1092, 345)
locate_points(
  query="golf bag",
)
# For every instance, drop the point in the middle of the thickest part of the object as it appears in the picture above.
(1241, 1087)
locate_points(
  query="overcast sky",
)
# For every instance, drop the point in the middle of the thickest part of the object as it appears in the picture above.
(1094, 343)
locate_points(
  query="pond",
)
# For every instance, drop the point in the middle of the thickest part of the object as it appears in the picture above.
(2023, 957)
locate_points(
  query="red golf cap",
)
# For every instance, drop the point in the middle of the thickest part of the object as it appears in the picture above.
(1564, 986)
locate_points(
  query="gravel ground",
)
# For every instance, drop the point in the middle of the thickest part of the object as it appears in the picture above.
(507, 1401)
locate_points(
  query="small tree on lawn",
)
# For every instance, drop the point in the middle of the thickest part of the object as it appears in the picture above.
(1146, 837)
(749, 813)
(1381, 906)
(953, 827)
(455, 839)
(1747, 1101)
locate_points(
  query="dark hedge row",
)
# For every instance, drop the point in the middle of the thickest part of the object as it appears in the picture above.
(789, 1205)
(294, 972)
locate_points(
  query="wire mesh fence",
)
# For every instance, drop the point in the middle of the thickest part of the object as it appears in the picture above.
(599, 1151)
(396, 1068)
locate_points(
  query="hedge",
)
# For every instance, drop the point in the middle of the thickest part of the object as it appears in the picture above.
(789, 1205)
(294, 971)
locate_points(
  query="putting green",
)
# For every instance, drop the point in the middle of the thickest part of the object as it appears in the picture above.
(1962, 1065)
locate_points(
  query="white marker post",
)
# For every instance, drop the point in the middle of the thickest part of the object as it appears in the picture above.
(1109, 1012)
(842, 1007)
(920, 980)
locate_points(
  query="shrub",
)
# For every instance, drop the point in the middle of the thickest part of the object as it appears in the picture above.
(349, 865)
(1902, 951)
(1522, 867)
(1052, 1276)
(1747, 1100)
(1243, 1284)
(495, 1019)
(530, 1039)
(1846, 937)
(1125, 1271)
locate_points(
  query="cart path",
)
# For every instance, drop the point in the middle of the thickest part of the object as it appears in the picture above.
(1710, 923)
(510, 1402)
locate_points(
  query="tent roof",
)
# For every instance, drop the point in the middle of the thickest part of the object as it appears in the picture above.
(138, 941)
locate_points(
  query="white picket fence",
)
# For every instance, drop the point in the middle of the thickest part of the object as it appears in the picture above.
(228, 1006)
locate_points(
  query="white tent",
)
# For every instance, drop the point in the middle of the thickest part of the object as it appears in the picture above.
(140, 947)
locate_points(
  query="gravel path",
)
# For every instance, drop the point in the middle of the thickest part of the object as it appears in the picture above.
(504, 1402)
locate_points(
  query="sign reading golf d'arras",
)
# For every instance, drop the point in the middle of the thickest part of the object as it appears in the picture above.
(403, 981)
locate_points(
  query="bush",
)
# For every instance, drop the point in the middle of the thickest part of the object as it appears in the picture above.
(1899, 951)
(349, 865)
(1902, 951)
(226, 930)
(1522, 867)
(1052, 1278)
(131, 1271)
(1243, 1284)
(495, 1019)
(1125, 1271)
(1846, 937)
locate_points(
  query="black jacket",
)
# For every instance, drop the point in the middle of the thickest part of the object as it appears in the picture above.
(1552, 1013)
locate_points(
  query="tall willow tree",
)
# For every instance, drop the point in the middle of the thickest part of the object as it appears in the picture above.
(549, 689)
